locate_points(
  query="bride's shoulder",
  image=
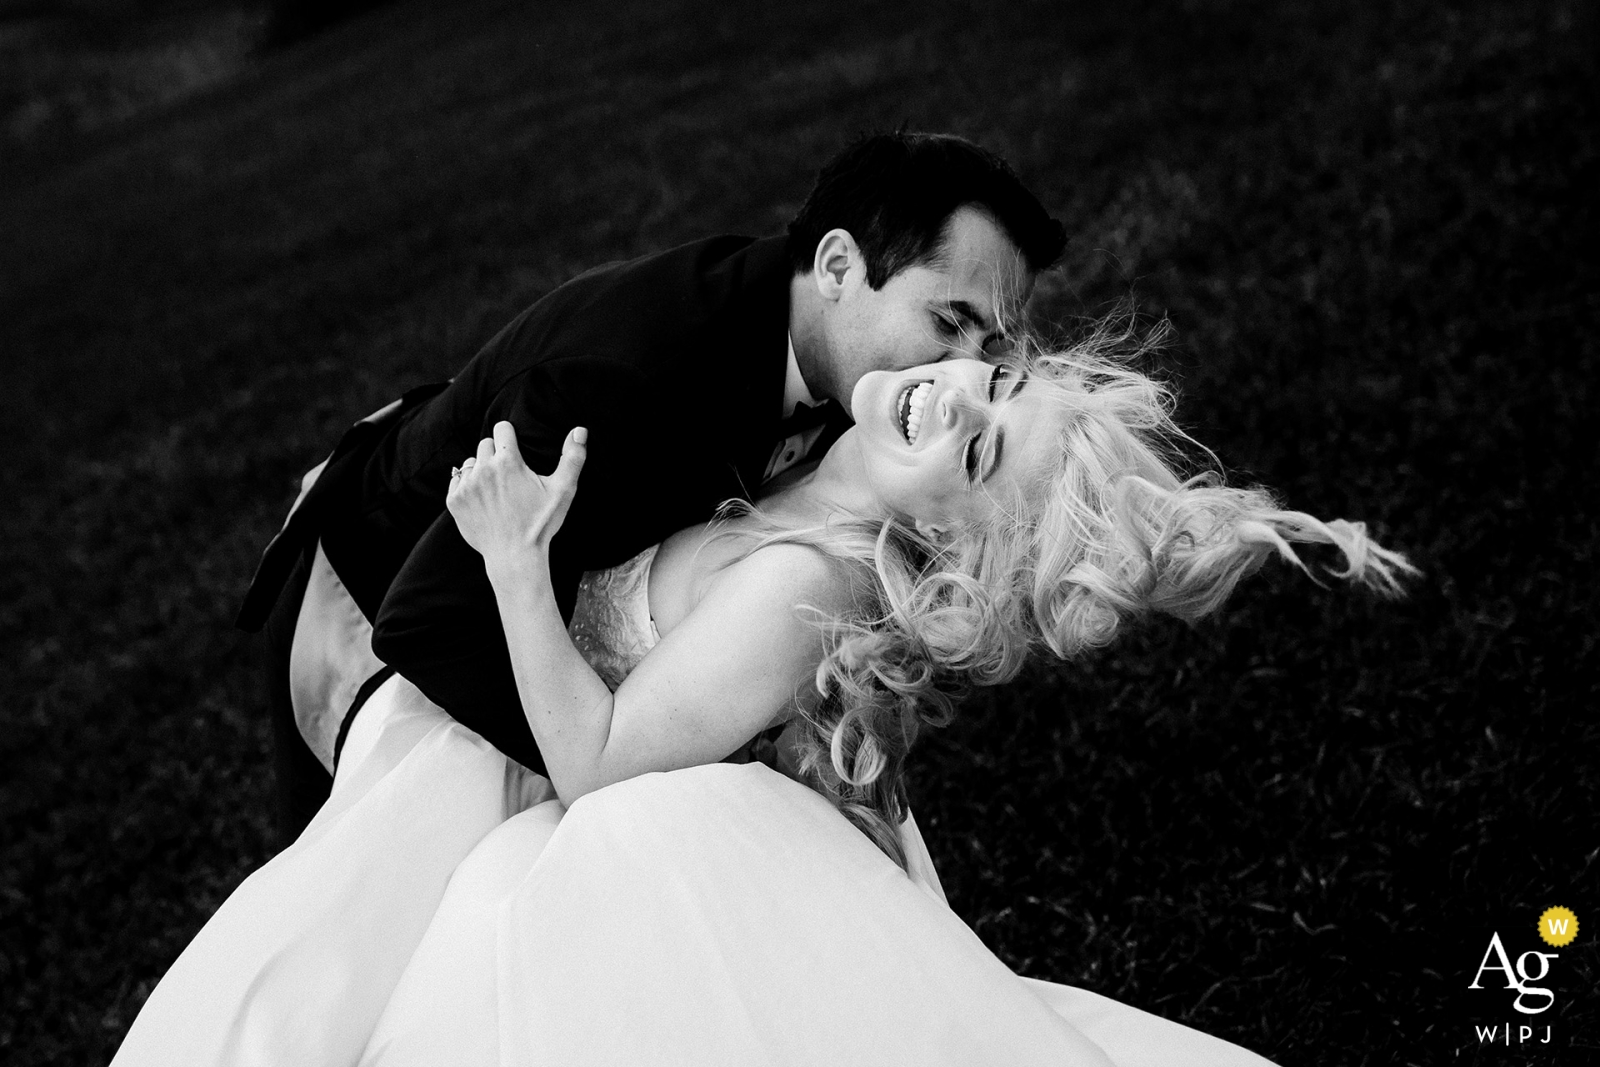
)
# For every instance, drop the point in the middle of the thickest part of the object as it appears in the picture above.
(693, 568)
(786, 572)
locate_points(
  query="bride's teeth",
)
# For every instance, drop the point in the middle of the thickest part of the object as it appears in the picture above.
(918, 399)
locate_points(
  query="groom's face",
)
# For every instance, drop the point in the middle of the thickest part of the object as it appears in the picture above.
(951, 308)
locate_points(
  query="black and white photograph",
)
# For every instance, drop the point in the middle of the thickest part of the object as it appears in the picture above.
(553, 534)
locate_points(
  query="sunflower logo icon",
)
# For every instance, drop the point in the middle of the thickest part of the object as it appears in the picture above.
(1558, 926)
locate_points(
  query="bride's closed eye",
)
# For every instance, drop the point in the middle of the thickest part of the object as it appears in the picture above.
(971, 454)
(1006, 382)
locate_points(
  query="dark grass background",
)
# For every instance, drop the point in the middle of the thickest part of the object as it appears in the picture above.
(1373, 226)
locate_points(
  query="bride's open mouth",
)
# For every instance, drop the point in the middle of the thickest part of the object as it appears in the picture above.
(909, 406)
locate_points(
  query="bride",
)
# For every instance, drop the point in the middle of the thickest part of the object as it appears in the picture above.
(448, 905)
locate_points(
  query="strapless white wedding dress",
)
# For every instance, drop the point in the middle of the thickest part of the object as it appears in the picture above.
(444, 909)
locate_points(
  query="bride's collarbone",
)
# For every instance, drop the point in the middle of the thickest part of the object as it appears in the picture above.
(689, 563)
(685, 566)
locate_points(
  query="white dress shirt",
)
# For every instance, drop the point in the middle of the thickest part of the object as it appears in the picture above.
(793, 449)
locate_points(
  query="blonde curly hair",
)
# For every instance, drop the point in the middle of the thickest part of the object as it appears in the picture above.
(1110, 532)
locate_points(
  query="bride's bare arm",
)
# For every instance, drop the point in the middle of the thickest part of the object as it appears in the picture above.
(727, 670)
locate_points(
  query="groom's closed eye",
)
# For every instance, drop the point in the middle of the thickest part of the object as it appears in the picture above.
(973, 322)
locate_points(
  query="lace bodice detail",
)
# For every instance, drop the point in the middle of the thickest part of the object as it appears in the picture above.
(611, 624)
(612, 629)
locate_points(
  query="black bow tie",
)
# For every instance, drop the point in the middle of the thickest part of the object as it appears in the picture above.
(809, 417)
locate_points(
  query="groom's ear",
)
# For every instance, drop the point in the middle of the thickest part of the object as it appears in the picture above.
(837, 255)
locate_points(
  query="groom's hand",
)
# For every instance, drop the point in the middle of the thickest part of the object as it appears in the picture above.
(501, 506)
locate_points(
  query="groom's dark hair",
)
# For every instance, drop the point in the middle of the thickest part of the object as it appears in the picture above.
(895, 192)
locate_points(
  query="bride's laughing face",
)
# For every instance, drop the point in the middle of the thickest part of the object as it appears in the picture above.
(952, 442)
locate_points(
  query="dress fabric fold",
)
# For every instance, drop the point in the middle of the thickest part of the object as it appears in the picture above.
(444, 908)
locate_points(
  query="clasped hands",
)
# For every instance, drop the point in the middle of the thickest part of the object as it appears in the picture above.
(501, 506)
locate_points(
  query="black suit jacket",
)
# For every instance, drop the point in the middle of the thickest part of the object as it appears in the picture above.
(675, 362)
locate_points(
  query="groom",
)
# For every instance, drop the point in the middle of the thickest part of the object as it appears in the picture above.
(701, 372)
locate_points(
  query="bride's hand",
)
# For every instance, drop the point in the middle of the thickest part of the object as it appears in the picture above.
(501, 506)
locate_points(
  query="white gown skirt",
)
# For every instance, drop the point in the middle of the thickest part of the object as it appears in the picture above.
(444, 909)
